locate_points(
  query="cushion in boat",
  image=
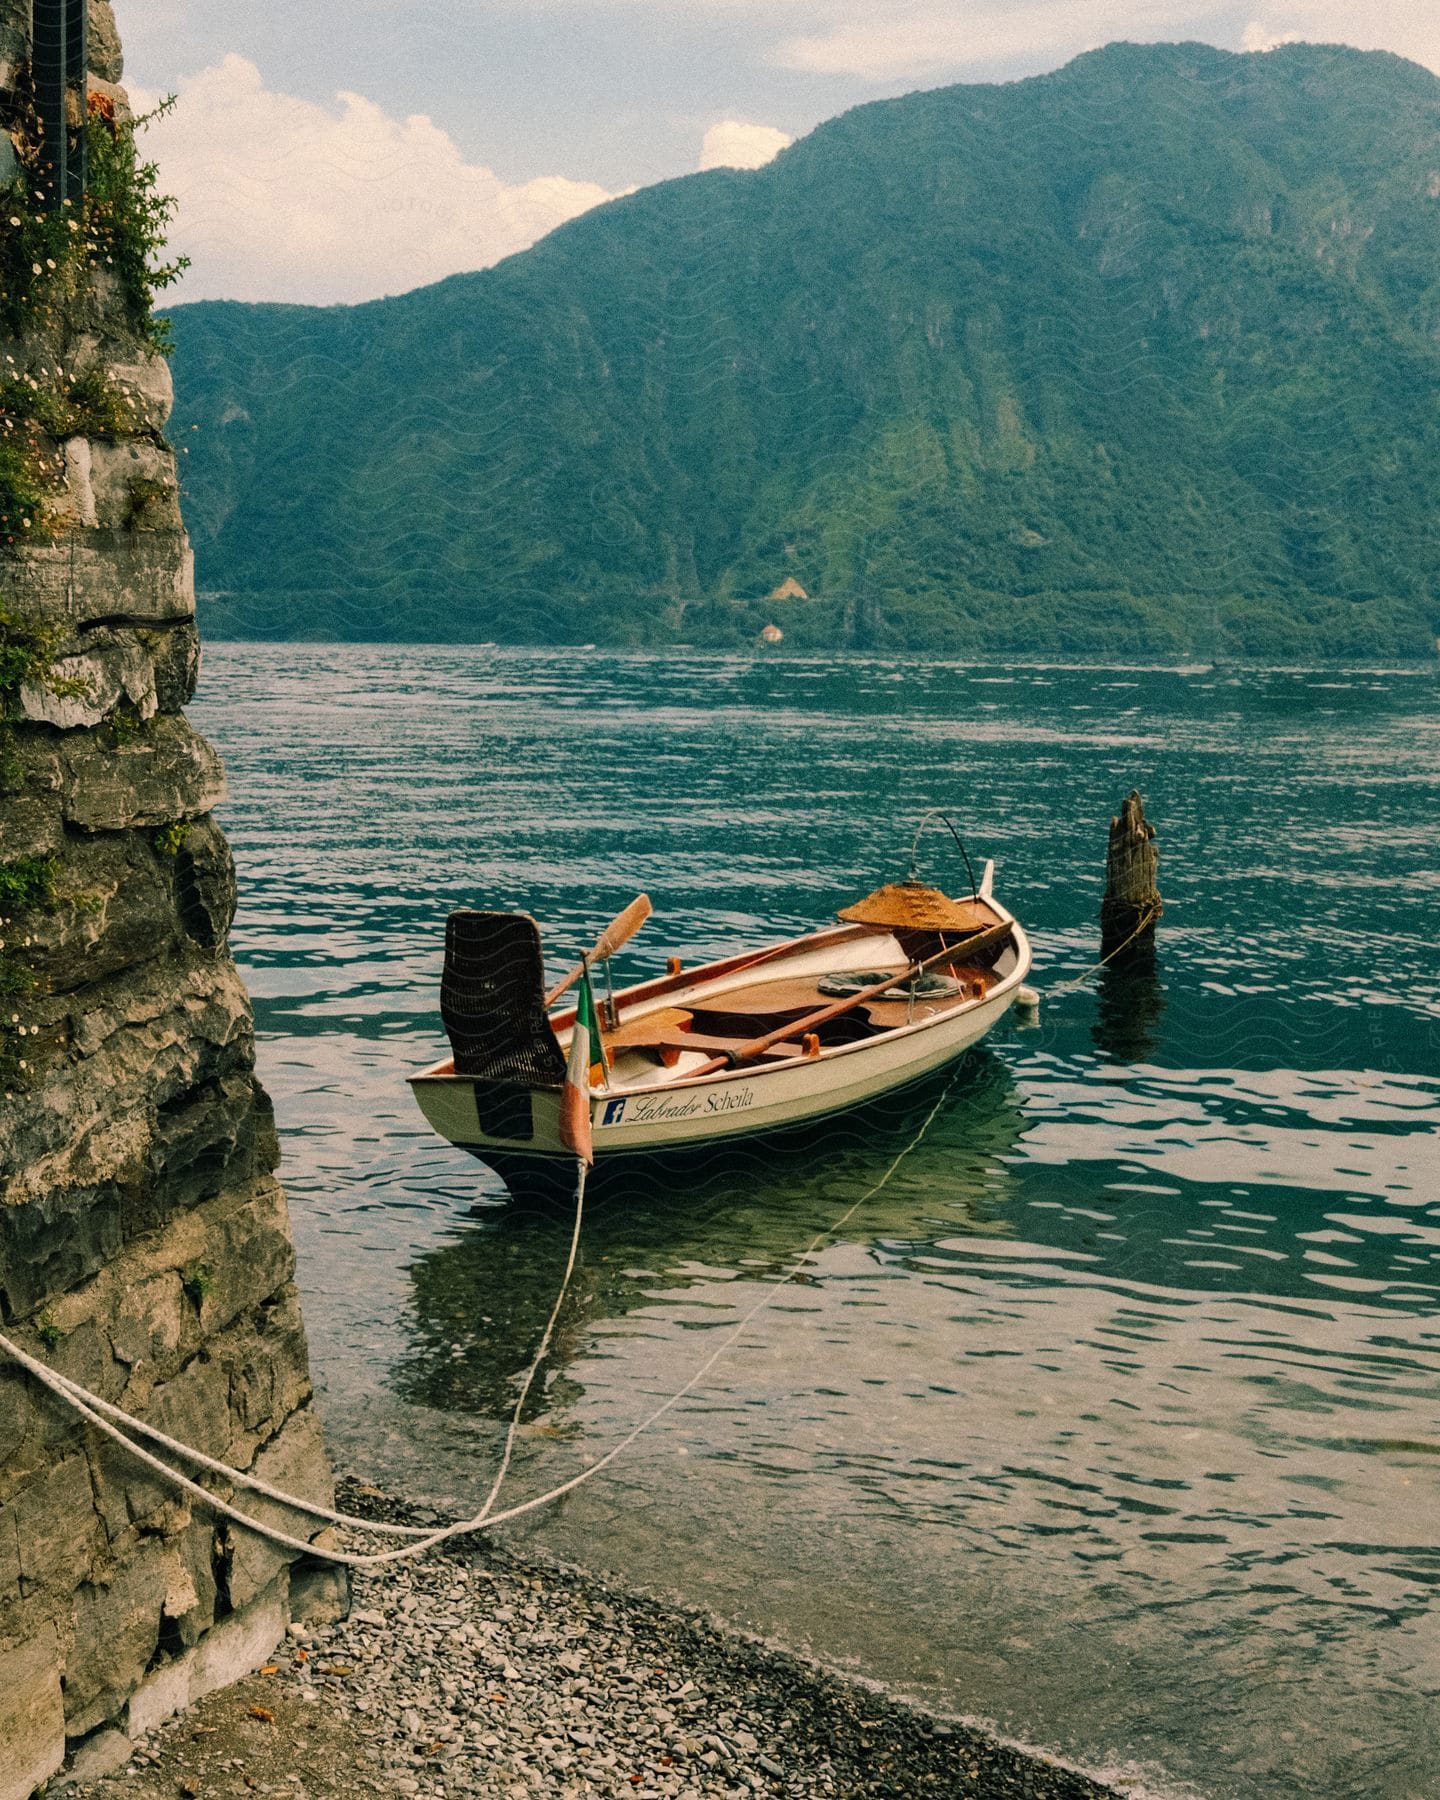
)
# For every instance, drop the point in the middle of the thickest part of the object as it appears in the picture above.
(926, 986)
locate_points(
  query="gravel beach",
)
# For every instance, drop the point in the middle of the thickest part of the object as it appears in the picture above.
(477, 1673)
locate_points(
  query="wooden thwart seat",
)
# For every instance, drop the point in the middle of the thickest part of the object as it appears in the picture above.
(670, 1031)
(647, 1033)
(779, 1000)
(667, 1031)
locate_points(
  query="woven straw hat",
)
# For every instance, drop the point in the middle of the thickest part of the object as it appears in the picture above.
(911, 906)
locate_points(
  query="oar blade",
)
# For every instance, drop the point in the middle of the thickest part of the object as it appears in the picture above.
(619, 931)
(622, 928)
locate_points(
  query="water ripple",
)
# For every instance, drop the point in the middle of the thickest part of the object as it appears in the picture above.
(1116, 1416)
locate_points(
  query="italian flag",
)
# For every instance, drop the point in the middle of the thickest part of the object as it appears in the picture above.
(587, 1048)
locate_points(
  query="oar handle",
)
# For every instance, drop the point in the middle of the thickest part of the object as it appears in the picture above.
(797, 1027)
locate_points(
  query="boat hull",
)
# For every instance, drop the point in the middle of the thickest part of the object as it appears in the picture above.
(500, 1122)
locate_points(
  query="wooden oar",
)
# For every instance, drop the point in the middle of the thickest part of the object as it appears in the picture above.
(619, 931)
(797, 1028)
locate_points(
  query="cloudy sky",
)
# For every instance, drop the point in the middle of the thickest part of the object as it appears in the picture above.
(335, 150)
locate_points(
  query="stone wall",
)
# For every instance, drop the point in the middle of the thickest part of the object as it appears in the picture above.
(144, 1244)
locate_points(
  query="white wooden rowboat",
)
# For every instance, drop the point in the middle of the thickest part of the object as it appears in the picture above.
(729, 1050)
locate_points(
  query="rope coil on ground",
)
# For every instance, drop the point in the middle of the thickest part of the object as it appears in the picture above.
(104, 1417)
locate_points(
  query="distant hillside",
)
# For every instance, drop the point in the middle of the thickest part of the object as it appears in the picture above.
(1140, 357)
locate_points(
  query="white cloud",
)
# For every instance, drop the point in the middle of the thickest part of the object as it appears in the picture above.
(924, 39)
(733, 145)
(1256, 37)
(928, 39)
(281, 199)
(1408, 27)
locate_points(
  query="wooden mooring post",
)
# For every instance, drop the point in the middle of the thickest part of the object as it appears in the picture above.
(1132, 902)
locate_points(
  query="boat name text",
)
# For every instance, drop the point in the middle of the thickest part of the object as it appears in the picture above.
(647, 1109)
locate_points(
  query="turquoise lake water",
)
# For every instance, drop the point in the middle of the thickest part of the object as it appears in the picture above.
(1114, 1418)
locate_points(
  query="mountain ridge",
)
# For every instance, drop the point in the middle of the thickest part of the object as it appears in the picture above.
(1138, 356)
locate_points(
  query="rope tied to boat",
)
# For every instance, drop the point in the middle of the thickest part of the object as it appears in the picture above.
(106, 1418)
(1078, 981)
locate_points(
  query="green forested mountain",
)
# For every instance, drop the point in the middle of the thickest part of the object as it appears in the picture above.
(1140, 357)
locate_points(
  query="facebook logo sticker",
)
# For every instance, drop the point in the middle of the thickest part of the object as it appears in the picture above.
(614, 1112)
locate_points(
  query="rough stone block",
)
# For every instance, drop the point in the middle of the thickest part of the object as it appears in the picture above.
(49, 1244)
(79, 489)
(115, 910)
(165, 772)
(106, 58)
(176, 1014)
(205, 883)
(175, 651)
(9, 1562)
(249, 1259)
(30, 825)
(83, 1354)
(15, 1412)
(319, 1591)
(195, 1406)
(223, 1141)
(32, 1716)
(268, 1376)
(234, 1648)
(113, 666)
(144, 669)
(296, 1462)
(126, 1493)
(90, 577)
(129, 1498)
(201, 1142)
(56, 1525)
(127, 486)
(195, 1547)
(101, 1754)
(116, 1634)
(147, 1323)
(148, 383)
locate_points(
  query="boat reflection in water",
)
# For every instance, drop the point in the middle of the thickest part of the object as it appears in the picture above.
(481, 1303)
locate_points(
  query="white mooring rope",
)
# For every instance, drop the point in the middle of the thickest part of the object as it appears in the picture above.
(100, 1413)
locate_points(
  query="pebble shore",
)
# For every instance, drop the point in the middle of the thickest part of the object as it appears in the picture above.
(477, 1673)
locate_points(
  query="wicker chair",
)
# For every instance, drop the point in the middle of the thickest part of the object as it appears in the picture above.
(492, 999)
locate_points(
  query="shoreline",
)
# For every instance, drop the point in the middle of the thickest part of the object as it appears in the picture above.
(1158, 661)
(482, 1672)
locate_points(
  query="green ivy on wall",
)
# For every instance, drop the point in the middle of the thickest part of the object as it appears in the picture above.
(47, 257)
(120, 228)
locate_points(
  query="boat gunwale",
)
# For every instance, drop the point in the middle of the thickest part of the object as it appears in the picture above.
(443, 1071)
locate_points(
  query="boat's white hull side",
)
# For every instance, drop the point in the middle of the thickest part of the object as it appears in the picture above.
(686, 1114)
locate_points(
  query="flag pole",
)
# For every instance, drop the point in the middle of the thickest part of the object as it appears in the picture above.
(575, 1131)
